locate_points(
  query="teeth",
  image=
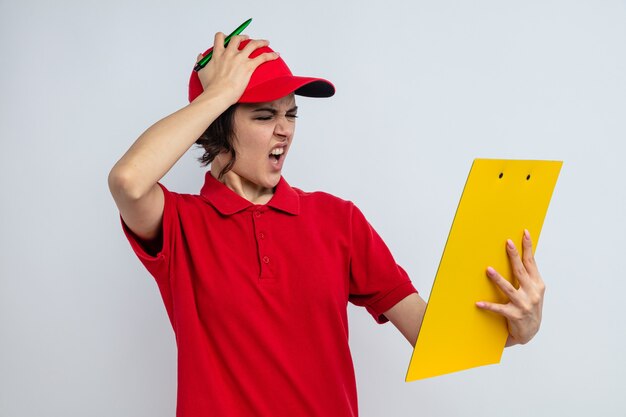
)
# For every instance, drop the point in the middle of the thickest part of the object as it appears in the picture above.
(277, 151)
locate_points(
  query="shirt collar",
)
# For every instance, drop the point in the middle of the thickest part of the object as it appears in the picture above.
(227, 202)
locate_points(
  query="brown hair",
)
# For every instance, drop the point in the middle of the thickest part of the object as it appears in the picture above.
(218, 138)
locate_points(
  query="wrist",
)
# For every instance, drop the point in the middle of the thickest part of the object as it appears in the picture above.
(216, 98)
(221, 95)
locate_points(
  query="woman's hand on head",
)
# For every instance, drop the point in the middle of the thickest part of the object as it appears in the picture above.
(228, 72)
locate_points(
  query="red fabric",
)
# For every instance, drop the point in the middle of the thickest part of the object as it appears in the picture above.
(257, 296)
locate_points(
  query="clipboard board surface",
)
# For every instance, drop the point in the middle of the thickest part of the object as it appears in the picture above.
(501, 198)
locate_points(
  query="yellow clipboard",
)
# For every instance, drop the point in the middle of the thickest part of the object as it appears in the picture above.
(501, 198)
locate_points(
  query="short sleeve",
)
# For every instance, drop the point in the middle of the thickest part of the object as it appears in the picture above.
(159, 264)
(377, 282)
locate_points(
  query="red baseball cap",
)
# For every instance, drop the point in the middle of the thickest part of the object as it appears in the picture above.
(270, 81)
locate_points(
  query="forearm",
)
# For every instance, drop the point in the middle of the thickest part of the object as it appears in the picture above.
(407, 316)
(156, 151)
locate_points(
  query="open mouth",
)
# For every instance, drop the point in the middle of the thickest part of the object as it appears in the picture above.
(277, 154)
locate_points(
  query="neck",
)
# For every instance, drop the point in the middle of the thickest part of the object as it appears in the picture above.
(252, 192)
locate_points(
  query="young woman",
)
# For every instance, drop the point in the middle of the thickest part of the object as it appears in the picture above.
(255, 274)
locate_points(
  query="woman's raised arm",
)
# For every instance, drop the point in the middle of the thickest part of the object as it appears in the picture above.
(133, 179)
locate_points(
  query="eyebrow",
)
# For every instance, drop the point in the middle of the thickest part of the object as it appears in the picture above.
(273, 110)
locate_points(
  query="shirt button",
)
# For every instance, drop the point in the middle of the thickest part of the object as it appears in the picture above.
(266, 259)
(257, 213)
(262, 235)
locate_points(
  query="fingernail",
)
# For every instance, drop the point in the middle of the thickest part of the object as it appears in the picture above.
(491, 271)
(527, 234)
(510, 244)
(480, 304)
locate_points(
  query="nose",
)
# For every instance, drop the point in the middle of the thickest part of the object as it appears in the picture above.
(284, 128)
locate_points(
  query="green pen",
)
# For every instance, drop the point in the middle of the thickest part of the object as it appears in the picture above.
(201, 64)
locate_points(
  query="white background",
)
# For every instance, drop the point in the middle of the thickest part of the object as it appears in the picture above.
(422, 89)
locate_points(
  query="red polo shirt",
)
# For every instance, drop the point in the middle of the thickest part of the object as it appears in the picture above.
(257, 296)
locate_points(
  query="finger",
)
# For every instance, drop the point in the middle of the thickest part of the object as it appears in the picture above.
(253, 45)
(218, 43)
(264, 57)
(518, 268)
(504, 285)
(527, 255)
(501, 309)
(235, 41)
(200, 56)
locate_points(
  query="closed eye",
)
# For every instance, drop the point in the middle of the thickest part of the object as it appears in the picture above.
(289, 116)
(267, 113)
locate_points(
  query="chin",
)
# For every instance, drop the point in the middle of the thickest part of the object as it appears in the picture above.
(272, 180)
(266, 180)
